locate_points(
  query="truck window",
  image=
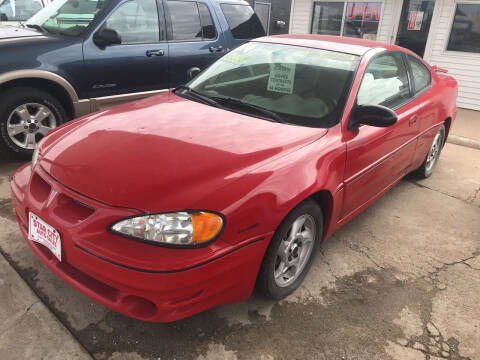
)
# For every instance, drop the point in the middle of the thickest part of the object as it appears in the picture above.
(243, 21)
(19, 10)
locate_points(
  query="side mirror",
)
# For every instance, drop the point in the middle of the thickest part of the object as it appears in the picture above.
(192, 72)
(105, 37)
(372, 115)
(3, 17)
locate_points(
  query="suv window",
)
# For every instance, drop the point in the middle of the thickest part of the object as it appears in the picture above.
(243, 21)
(185, 20)
(421, 75)
(191, 21)
(136, 22)
(385, 82)
(208, 28)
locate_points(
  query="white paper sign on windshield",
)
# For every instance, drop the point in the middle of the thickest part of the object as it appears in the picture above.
(281, 78)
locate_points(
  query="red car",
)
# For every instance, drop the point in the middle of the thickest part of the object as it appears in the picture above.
(165, 207)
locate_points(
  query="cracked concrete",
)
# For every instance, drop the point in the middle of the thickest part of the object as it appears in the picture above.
(401, 281)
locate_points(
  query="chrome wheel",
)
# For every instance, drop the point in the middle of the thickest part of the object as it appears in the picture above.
(27, 124)
(434, 151)
(295, 250)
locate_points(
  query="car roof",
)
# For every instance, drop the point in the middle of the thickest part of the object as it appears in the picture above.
(343, 44)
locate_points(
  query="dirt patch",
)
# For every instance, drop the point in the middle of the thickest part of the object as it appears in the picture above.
(6, 209)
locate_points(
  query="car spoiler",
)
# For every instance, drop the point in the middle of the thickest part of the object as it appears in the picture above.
(438, 69)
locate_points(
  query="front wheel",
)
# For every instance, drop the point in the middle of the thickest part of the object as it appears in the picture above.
(291, 251)
(26, 116)
(433, 154)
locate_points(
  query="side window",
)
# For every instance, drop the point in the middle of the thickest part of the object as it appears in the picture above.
(208, 28)
(385, 82)
(243, 21)
(421, 75)
(136, 22)
(185, 20)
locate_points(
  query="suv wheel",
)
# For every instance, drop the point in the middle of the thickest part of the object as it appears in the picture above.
(26, 116)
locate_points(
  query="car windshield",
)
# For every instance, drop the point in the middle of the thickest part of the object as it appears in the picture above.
(67, 17)
(297, 85)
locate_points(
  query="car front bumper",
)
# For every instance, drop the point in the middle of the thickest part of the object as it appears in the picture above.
(96, 262)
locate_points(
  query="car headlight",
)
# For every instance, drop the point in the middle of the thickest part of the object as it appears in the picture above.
(35, 155)
(185, 228)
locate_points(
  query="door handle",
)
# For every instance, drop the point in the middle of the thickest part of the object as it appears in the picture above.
(413, 120)
(151, 53)
(214, 49)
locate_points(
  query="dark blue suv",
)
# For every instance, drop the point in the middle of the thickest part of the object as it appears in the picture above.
(78, 56)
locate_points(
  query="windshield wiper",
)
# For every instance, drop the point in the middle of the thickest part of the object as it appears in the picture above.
(194, 94)
(270, 114)
(36, 27)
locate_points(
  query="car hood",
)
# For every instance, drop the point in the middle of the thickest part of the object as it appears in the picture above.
(165, 152)
(13, 32)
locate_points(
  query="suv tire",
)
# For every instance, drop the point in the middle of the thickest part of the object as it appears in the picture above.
(26, 115)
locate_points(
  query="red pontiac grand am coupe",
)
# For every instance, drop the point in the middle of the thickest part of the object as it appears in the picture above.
(168, 206)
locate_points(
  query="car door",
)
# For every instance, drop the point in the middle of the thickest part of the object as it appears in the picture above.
(377, 157)
(430, 107)
(139, 63)
(195, 38)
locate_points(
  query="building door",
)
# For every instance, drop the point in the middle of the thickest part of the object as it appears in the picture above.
(263, 12)
(414, 25)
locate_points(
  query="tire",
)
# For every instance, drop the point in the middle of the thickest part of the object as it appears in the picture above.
(19, 109)
(273, 279)
(428, 165)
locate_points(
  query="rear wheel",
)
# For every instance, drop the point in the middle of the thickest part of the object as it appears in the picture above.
(433, 154)
(26, 116)
(291, 251)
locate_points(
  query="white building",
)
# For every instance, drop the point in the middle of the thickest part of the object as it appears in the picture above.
(445, 32)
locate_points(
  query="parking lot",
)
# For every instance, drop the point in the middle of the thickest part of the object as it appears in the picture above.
(401, 281)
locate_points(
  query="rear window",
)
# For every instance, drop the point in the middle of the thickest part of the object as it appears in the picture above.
(243, 21)
(421, 75)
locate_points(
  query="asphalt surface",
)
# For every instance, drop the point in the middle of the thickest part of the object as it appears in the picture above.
(401, 281)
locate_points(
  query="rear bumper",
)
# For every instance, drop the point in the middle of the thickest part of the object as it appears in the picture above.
(164, 295)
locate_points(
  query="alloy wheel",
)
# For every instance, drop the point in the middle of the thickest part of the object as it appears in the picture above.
(295, 250)
(28, 123)
(434, 152)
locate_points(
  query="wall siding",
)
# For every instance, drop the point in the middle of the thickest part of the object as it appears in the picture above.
(464, 67)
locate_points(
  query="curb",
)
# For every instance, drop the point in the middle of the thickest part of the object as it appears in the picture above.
(463, 141)
(28, 328)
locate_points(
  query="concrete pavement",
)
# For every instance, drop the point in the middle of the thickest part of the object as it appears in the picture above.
(401, 281)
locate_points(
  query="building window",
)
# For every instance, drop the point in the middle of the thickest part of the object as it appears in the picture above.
(355, 19)
(465, 33)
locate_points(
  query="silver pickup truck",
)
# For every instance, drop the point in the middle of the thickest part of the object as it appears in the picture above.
(13, 12)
